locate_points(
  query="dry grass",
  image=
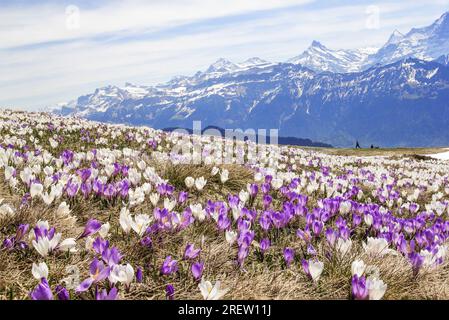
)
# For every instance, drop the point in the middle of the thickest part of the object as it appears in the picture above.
(260, 278)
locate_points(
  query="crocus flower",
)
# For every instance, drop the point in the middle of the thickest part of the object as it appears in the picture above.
(47, 240)
(40, 270)
(289, 255)
(122, 273)
(358, 268)
(139, 275)
(343, 246)
(190, 182)
(98, 272)
(170, 292)
(197, 270)
(169, 266)
(200, 183)
(359, 288)
(376, 246)
(417, 261)
(42, 291)
(104, 295)
(211, 292)
(190, 252)
(92, 226)
(313, 268)
(231, 237)
(376, 288)
(62, 293)
(264, 244)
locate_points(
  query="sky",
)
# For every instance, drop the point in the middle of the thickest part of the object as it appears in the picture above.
(54, 51)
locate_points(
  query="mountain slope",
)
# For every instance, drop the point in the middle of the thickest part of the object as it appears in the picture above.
(391, 105)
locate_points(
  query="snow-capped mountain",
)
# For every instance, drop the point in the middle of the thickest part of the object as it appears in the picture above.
(320, 58)
(443, 60)
(428, 43)
(383, 98)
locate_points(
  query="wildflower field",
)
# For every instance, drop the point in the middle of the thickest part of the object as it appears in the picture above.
(99, 211)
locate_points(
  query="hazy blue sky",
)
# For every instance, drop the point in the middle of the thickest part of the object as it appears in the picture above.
(54, 51)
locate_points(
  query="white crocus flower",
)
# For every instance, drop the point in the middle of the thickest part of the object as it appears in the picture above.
(198, 212)
(104, 230)
(154, 198)
(368, 219)
(315, 269)
(345, 207)
(122, 273)
(343, 246)
(358, 268)
(44, 246)
(40, 270)
(214, 171)
(376, 246)
(258, 177)
(376, 288)
(211, 292)
(200, 183)
(169, 204)
(125, 220)
(190, 182)
(231, 237)
(68, 244)
(224, 176)
(48, 198)
(277, 183)
(243, 196)
(36, 189)
(140, 223)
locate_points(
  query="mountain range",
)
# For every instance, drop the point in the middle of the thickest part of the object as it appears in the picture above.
(397, 95)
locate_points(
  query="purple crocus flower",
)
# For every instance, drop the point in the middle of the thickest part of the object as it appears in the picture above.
(359, 288)
(139, 275)
(8, 243)
(197, 270)
(317, 226)
(91, 227)
(190, 252)
(265, 220)
(169, 266)
(98, 272)
(170, 292)
(111, 256)
(183, 196)
(331, 236)
(266, 188)
(223, 222)
(42, 291)
(242, 254)
(146, 242)
(253, 189)
(62, 293)
(289, 255)
(100, 245)
(104, 295)
(267, 199)
(417, 261)
(264, 244)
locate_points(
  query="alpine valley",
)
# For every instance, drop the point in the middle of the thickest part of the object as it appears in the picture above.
(394, 96)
